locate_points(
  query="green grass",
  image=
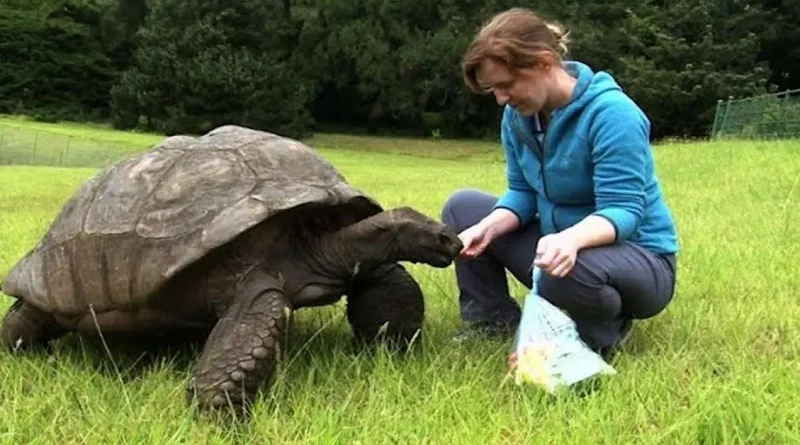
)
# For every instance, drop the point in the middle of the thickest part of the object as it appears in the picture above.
(721, 365)
(79, 145)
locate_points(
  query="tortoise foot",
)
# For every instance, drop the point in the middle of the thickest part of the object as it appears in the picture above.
(25, 327)
(241, 352)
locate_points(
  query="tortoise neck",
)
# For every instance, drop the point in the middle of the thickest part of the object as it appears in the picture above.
(358, 246)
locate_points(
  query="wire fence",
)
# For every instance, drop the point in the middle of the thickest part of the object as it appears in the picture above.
(24, 146)
(769, 116)
(763, 117)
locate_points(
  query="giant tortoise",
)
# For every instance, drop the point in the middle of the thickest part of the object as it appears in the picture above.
(224, 235)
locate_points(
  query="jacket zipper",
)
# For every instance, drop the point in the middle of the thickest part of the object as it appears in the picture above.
(539, 151)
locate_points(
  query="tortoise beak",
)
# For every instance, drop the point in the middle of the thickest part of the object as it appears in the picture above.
(453, 244)
(449, 247)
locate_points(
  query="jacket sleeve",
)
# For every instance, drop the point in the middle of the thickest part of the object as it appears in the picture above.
(621, 150)
(519, 197)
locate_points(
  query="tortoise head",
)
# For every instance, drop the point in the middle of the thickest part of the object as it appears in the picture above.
(415, 237)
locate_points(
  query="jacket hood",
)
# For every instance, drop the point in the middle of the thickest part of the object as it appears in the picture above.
(589, 86)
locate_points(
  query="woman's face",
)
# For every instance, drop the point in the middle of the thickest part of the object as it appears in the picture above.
(525, 90)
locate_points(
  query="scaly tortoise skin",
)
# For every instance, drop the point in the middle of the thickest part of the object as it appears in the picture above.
(223, 235)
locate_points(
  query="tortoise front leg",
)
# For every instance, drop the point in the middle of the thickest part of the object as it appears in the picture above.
(242, 350)
(27, 327)
(386, 304)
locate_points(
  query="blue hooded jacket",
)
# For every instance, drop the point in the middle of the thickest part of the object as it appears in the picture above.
(597, 160)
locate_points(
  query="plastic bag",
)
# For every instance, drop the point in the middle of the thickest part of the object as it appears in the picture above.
(547, 349)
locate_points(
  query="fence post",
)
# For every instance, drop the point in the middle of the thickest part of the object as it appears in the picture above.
(785, 117)
(715, 126)
(724, 123)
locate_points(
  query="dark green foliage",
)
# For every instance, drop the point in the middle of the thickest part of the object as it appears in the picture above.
(201, 64)
(687, 57)
(780, 35)
(123, 19)
(389, 64)
(54, 64)
(368, 65)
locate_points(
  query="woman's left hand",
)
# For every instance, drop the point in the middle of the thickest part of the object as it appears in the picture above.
(556, 254)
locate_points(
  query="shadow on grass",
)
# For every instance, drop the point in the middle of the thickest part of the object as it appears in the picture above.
(130, 358)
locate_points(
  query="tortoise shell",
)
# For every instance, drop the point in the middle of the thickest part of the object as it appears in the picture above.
(135, 224)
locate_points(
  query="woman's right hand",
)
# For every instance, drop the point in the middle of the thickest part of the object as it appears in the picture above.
(478, 237)
(475, 239)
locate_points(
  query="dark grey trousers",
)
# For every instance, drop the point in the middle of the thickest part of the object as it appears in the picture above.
(607, 286)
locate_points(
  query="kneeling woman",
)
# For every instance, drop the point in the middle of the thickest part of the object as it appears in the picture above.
(583, 200)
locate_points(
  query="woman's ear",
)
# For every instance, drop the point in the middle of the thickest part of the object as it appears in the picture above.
(546, 61)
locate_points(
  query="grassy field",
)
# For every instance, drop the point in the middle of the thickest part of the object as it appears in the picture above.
(719, 366)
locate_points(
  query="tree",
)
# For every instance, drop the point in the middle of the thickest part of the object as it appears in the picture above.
(781, 42)
(54, 64)
(205, 63)
(678, 61)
